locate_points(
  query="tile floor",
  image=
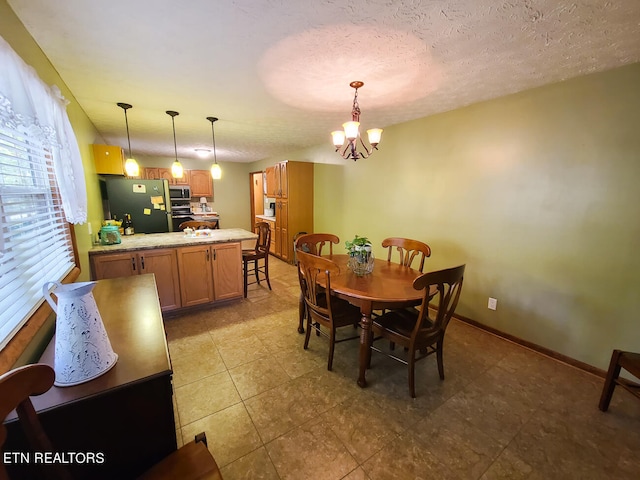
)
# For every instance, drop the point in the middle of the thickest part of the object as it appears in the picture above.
(271, 410)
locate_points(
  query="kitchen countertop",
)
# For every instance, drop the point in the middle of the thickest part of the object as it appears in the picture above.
(143, 241)
(264, 217)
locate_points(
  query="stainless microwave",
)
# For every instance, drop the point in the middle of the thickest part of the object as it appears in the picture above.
(179, 191)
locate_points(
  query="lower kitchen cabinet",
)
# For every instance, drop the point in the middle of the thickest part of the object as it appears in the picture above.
(162, 262)
(185, 276)
(210, 273)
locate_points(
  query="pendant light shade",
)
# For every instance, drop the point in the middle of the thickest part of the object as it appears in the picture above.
(176, 168)
(216, 171)
(130, 165)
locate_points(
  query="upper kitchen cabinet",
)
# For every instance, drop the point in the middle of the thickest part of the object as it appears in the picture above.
(201, 183)
(159, 173)
(277, 180)
(108, 159)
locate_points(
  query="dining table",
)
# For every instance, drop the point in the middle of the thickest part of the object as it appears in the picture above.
(389, 285)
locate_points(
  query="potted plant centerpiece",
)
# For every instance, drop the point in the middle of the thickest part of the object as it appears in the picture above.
(360, 255)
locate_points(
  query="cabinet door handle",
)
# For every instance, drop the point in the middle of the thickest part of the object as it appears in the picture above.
(207, 255)
(142, 262)
(214, 255)
(133, 263)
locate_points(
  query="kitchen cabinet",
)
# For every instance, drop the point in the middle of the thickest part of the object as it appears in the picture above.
(210, 273)
(160, 173)
(162, 262)
(293, 184)
(282, 230)
(201, 183)
(108, 159)
(151, 173)
(272, 187)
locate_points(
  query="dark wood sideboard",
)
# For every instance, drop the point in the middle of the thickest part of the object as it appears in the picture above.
(127, 413)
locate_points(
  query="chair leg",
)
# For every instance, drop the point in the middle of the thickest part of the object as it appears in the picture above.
(412, 374)
(245, 264)
(308, 333)
(332, 344)
(610, 381)
(255, 270)
(266, 270)
(440, 358)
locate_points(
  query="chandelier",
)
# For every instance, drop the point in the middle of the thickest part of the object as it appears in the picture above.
(351, 133)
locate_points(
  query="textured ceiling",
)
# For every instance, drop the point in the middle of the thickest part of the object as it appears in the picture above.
(277, 73)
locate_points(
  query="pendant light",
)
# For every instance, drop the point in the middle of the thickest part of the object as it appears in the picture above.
(176, 168)
(130, 165)
(216, 171)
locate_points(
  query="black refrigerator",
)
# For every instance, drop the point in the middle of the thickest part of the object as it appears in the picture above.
(147, 201)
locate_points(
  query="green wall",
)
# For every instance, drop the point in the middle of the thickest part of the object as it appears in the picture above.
(14, 33)
(537, 192)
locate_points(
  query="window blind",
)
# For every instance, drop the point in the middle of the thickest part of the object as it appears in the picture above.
(35, 239)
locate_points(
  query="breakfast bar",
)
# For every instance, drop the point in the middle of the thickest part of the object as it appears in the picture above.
(203, 267)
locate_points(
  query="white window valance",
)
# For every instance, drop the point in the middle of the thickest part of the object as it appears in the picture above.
(28, 105)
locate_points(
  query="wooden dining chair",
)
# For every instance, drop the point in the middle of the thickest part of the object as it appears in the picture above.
(315, 243)
(414, 329)
(251, 258)
(322, 308)
(408, 250)
(200, 225)
(619, 359)
(192, 461)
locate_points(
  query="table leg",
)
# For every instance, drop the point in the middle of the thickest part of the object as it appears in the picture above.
(365, 343)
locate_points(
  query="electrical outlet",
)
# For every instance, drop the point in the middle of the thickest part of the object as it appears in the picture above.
(493, 303)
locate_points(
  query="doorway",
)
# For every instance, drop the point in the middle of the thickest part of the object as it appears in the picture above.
(256, 189)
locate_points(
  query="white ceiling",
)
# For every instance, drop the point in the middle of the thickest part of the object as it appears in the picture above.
(277, 73)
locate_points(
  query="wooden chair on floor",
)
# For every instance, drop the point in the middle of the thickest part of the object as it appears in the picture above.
(414, 329)
(408, 250)
(251, 258)
(200, 225)
(314, 243)
(322, 308)
(192, 461)
(631, 363)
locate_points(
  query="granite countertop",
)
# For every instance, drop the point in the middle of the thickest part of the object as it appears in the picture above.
(264, 217)
(143, 241)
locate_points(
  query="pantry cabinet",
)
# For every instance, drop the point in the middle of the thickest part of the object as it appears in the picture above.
(292, 188)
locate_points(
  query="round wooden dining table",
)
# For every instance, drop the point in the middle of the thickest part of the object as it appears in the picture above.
(389, 285)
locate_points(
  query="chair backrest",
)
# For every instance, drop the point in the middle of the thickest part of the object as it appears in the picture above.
(199, 225)
(313, 270)
(408, 249)
(264, 236)
(16, 386)
(314, 243)
(446, 285)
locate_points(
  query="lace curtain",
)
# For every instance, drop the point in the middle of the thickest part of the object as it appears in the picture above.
(30, 106)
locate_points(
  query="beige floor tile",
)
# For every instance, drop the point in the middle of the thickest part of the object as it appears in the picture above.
(195, 366)
(230, 434)
(200, 343)
(206, 396)
(254, 466)
(310, 451)
(242, 350)
(258, 376)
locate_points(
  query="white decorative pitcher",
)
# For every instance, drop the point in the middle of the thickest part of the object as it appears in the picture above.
(83, 351)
